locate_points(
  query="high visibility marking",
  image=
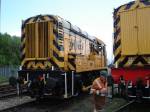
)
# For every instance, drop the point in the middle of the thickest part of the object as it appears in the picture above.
(47, 18)
(123, 61)
(31, 20)
(128, 6)
(60, 53)
(23, 63)
(56, 45)
(71, 61)
(117, 20)
(117, 45)
(39, 64)
(146, 2)
(117, 51)
(60, 64)
(71, 67)
(140, 59)
(99, 85)
(58, 58)
(117, 57)
(53, 63)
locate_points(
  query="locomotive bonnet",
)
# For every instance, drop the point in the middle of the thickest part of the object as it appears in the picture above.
(50, 41)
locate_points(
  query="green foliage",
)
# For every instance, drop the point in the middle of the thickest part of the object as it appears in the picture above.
(3, 79)
(9, 50)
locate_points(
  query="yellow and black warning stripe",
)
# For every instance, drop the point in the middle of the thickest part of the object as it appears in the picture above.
(71, 61)
(38, 64)
(140, 59)
(22, 48)
(145, 2)
(57, 59)
(127, 61)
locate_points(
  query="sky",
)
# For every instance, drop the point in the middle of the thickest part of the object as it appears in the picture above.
(93, 16)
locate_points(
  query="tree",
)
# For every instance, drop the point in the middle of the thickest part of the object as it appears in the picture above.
(9, 50)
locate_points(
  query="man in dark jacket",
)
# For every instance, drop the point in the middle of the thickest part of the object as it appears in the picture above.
(110, 82)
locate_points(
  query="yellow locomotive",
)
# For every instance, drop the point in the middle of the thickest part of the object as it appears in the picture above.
(58, 58)
(132, 48)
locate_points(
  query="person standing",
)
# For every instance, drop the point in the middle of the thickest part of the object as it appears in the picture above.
(139, 89)
(110, 87)
(122, 86)
(99, 91)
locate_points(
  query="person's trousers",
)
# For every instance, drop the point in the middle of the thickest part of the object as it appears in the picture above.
(99, 102)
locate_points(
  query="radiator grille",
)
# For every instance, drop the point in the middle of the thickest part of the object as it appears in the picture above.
(37, 40)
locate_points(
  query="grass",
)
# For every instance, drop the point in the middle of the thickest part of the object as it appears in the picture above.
(3, 79)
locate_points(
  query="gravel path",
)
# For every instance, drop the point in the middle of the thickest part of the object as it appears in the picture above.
(11, 102)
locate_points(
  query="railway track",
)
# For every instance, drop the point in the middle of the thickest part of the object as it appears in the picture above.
(134, 106)
(81, 103)
(52, 105)
(18, 106)
(8, 91)
(124, 108)
(43, 106)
